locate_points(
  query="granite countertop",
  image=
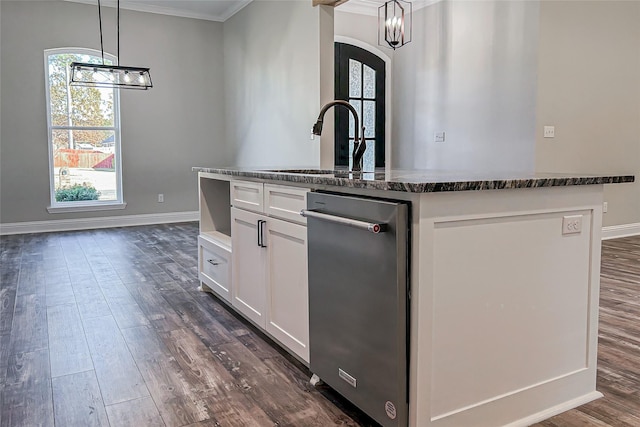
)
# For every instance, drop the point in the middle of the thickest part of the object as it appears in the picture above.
(420, 181)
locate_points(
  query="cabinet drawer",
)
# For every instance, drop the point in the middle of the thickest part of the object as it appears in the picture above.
(285, 202)
(215, 268)
(247, 195)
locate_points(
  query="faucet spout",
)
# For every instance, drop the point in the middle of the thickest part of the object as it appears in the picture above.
(359, 146)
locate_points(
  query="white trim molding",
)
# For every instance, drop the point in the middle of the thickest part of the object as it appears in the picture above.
(100, 222)
(555, 410)
(175, 8)
(623, 230)
(86, 207)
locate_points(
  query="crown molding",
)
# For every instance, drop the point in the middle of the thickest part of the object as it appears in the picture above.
(139, 6)
(240, 4)
(370, 7)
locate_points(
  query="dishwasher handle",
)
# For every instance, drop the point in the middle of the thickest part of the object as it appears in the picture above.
(372, 227)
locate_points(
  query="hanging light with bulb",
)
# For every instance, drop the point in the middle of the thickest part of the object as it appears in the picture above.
(109, 76)
(394, 24)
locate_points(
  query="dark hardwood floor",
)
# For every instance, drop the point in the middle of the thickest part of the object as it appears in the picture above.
(106, 327)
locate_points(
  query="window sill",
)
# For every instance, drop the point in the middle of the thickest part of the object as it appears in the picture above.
(84, 207)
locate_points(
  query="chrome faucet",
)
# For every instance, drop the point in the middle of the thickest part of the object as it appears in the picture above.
(359, 146)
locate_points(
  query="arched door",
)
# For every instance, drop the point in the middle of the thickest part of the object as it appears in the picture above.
(360, 80)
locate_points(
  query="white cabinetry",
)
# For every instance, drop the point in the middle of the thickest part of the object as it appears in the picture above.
(287, 285)
(214, 262)
(214, 241)
(270, 285)
(254, 255)
(249, 264)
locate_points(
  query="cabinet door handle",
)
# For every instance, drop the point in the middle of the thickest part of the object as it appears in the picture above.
(213, 262)
(261, 222)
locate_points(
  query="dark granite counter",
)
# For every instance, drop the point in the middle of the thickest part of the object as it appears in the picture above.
(420, 181)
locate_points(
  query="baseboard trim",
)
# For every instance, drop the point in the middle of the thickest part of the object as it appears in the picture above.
(100, 222)
(541, 416)
(617, 231)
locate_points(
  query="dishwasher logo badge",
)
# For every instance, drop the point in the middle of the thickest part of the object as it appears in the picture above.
(390, 409)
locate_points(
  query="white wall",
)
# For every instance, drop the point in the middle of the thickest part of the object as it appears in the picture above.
(470, 72)
(165, 131)
(272, 80)
(589, 88)
(358, 26)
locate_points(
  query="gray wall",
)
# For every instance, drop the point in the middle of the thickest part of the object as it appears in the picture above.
(469, 71)
(492, 75)
(165, 131)
(589, 88)
(272, 80)
(359, 27)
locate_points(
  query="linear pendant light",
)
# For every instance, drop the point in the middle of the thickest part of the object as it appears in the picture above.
(109, 76)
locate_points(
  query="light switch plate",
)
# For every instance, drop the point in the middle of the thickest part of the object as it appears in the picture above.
(438, 137)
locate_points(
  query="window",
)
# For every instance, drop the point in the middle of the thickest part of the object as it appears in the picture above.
(360, 80)
(84, 137)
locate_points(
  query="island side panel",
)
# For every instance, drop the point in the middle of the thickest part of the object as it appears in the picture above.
(504, 319)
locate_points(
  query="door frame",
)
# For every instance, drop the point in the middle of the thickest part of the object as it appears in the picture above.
(387, 90)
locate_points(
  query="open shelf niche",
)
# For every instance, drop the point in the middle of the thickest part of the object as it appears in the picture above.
(215, 211)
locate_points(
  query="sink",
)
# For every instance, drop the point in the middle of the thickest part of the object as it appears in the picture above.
(302, 171)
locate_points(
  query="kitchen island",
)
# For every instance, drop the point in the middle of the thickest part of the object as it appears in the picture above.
(504, 280)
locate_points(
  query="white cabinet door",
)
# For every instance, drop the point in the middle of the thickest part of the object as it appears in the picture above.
(287, 286)
(249, 265)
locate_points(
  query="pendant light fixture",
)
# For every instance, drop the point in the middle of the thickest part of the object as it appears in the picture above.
(394, 24)
(109, 76)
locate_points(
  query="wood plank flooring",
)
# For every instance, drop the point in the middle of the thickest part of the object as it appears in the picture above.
(106, 328)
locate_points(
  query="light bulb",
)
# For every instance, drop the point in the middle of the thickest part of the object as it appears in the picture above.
(127, 77)
(388, 23)
(395, 21)
(141, 79)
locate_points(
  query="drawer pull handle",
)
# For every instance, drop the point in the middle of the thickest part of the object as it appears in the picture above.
(261, 224)
(213, 262)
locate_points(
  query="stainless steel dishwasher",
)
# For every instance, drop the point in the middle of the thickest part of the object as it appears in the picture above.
(358, 301)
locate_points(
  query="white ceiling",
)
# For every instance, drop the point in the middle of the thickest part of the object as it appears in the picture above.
(221, 10)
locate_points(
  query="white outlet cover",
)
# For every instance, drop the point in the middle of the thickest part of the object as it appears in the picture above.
(572, 224)
(549, 131)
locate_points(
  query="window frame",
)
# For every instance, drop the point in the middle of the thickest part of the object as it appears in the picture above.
(87, 205)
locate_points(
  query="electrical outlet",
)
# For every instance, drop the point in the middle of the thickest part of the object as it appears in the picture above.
(438, 137)
(572, 224)
(549, 131)
(605, 207)
(160, 198)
